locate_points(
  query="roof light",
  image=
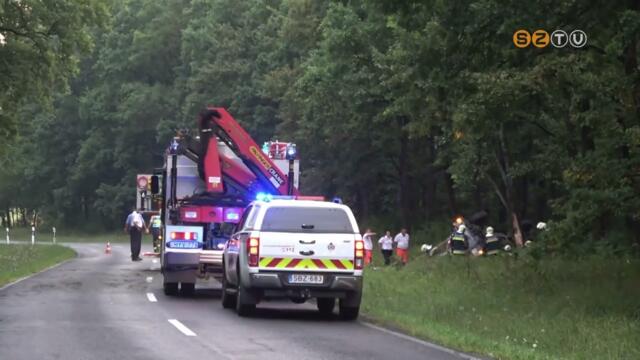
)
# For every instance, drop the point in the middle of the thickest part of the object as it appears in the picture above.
(291, 151)
(264, 196)
(337, 200)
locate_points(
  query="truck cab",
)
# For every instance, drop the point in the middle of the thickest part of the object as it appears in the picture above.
(285, 247)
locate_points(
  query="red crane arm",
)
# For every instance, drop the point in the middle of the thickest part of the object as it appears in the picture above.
(229, 131)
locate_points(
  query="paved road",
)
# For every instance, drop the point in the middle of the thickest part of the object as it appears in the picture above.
(98, 307)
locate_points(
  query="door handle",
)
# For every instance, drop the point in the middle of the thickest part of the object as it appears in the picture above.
(309, 242)
(307, 253)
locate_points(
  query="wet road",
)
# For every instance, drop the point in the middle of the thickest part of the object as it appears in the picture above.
(101, 306)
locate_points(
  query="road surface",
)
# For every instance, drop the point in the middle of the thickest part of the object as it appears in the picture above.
(101, 306)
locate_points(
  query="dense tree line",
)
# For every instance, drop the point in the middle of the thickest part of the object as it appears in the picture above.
(412, 111)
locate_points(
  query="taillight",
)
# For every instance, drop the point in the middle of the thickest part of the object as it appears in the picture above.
(359, 254)
(253, 251)
(184, 235)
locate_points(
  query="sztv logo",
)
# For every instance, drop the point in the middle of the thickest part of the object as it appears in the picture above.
(541, 39)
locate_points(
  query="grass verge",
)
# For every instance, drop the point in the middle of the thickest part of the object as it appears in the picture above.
(512, 307)
(18, 260)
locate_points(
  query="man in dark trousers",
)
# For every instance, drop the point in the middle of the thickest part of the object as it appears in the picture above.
(134, 226)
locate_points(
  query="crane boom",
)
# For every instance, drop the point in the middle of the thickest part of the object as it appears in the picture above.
(217, 121)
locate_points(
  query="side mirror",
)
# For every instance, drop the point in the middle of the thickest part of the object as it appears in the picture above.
(155, 185)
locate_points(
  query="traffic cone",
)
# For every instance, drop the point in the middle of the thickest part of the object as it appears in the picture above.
(107, 250)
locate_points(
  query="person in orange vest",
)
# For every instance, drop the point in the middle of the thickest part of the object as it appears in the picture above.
(402, 246)
(368, 246)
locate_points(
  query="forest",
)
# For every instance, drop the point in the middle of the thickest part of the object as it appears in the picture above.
(413, 112)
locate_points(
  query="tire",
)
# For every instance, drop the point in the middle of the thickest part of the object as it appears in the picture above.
(244, 307)
(326, 305)
(187, 289)
(349, 313)
(170, 288)
(228, 300)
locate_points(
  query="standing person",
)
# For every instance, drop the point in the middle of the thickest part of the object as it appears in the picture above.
(459, 241)
(134, 226)
(402, 245)
(368, 246)
(156, 230)
(492, 245)
(386, 245)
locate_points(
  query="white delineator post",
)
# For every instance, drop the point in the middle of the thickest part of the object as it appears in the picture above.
(8, 241)
(33, 235)
(54, 234)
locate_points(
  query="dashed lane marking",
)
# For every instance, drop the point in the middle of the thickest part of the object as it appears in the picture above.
(151, 297)
(180, 326)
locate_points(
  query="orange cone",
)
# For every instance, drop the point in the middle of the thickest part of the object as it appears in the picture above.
(107, 250)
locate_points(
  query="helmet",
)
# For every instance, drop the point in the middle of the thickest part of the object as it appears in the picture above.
(489, 231)
(462, 228)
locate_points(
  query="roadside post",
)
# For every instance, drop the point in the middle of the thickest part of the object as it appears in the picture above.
(54, 234)
(33, 235)
(8, 241)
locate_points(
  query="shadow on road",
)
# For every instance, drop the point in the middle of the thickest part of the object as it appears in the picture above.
(287, 311)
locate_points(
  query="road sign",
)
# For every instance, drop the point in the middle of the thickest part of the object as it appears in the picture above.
(143, 181)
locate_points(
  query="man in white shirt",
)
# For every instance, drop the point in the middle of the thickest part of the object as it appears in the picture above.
(386, 245)
(402, 245)
(134, 226)
(368, 246)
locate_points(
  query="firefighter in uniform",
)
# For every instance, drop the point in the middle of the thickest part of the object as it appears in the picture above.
(156, 232)
(492, 243)
(459, 241)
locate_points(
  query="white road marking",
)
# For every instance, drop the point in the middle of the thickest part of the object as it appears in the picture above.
(180, 326)
(149, 279)
(421, 342)
(151, 297)
(155, 261)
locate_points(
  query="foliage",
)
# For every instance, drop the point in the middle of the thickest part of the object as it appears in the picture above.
(411, 111)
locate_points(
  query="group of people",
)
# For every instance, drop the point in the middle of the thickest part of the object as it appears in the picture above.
(387, 244)
(135, 226)
(459, 242)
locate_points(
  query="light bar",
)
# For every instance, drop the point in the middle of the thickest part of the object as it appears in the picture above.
(268, 197)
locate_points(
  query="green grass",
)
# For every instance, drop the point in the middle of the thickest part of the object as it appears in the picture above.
(19, 260)
(513, 308)
(62, 236)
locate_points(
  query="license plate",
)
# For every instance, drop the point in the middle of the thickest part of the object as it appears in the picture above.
(305, 279)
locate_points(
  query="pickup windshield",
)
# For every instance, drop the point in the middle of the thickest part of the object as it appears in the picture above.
(310, 220)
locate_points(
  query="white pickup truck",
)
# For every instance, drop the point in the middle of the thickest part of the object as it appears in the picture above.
(296, 249)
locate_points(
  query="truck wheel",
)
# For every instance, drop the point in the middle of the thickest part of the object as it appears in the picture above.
(326, 305)
(245, 304)
(348, 312)
(228, 299)
(170, 288)
(187, 289)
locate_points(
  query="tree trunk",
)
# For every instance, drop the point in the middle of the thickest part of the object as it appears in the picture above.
(403, 191)
(8, 218)
(451, 193)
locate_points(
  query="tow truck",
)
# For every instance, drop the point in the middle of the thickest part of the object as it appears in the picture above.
(205, 184)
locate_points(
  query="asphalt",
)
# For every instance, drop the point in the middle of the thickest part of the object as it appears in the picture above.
(97, 307)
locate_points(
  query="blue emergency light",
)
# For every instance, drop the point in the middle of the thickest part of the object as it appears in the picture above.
(264, 196)
(291, 151)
